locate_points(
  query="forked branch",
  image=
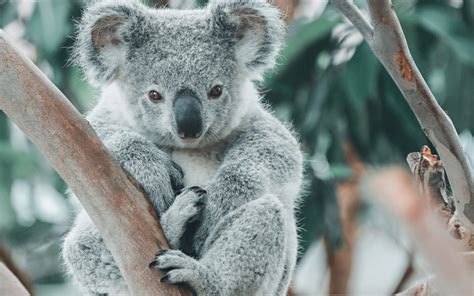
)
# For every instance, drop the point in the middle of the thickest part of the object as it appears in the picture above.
(390, 46)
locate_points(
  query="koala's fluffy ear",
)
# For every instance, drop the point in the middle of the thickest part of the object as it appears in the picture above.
(256, 29)
(103, 38)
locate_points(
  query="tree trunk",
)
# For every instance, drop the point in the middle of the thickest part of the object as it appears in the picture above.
(114, 201)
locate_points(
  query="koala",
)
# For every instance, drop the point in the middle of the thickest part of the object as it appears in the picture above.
(179, 109)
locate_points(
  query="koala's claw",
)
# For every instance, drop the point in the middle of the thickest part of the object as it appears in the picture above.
(165, 278)
(160, 252)
(196, 189)
(179, 267)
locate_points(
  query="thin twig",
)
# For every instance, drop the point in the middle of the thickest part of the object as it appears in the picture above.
(355, 16)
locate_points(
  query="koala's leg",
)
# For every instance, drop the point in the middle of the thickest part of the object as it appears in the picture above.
(89, 262)
(291, 253)
(246, 255)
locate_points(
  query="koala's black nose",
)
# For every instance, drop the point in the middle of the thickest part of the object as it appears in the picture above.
(188, 115)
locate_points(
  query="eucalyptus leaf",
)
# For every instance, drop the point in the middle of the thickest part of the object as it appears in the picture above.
(50, 25)
(360, 76)
(448, 26)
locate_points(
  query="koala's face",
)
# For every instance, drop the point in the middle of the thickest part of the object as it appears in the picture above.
(185, 73)
(184, 79)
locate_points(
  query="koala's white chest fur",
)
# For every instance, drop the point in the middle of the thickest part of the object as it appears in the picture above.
(198, 166)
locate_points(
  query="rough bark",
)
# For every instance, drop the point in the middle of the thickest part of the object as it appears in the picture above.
(9, 283)
(428, 171)
(114, 201)
(386, 38)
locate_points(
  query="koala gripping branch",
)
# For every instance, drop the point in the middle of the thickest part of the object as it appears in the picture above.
(114, 201)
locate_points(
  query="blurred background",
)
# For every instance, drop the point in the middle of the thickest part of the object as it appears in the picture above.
(328, 84)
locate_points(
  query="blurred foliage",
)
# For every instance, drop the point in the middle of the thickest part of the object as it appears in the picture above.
(334, 91)
(327, 83)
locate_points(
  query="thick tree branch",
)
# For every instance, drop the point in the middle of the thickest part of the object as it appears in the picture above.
(390, 46)
(113, 200)
(9, 283)
(6, 258)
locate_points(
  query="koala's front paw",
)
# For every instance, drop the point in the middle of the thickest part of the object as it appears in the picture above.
(182, 218)
(179, 268)
(190, 203)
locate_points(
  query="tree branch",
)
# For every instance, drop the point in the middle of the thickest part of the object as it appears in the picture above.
(355, 16)
(9, 283)
(114, 201)
(6, 258)
(390, 46)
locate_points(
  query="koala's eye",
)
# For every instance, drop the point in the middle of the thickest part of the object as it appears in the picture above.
(155, 96)
(215, 92)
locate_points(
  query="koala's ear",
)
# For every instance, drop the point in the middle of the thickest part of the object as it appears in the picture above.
(256, 29)
(104, 36)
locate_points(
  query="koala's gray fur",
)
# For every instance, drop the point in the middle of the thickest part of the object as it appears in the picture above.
(237, 235)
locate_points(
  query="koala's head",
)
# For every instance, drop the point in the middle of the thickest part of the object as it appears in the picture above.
(184, 73)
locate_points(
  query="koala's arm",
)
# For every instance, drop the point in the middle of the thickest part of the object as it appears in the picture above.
(262, 158)
(159, 176)
(86, 257)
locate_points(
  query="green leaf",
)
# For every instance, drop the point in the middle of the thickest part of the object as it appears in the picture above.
(49, 25)
(7, 12)
(307, 35)
(360, 77)
(447, 25)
